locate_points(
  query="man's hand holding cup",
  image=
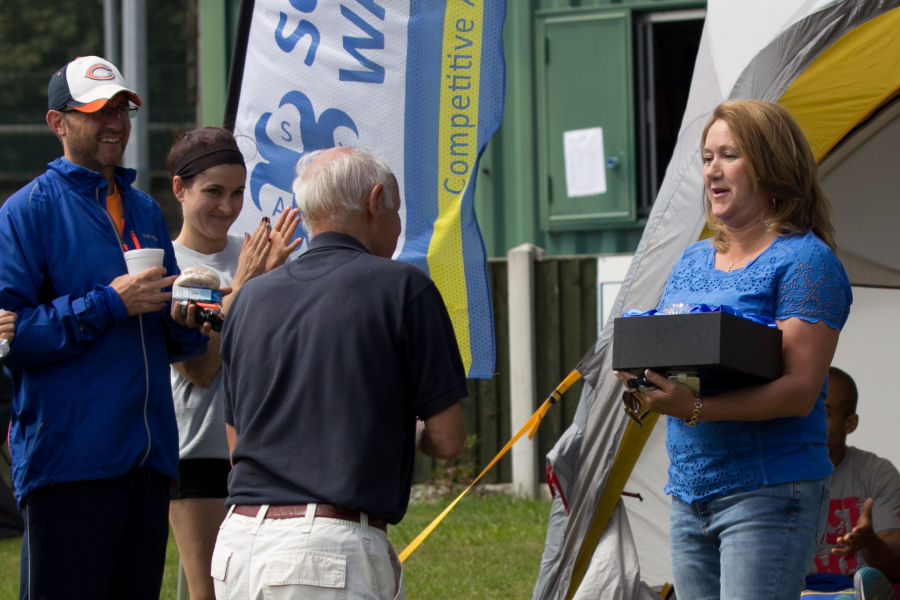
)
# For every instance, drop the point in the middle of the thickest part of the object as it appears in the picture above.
(141, 289)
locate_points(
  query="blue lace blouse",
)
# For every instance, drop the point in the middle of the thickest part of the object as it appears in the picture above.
(797, 276)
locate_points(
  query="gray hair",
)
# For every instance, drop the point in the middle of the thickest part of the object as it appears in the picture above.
(337, 190)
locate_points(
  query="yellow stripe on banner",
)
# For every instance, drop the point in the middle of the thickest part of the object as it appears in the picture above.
(457, 153)
(847, 82)
(630, 447)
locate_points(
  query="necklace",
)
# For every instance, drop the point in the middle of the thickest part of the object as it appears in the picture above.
(731, 262)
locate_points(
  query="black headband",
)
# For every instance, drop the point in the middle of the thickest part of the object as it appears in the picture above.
(208, 156)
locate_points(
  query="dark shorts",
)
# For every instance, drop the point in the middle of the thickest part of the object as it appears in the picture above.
(201, 478)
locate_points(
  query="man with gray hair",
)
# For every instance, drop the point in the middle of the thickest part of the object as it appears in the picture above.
(336, 367)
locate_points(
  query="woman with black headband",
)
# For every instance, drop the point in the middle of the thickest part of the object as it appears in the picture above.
(208, 176)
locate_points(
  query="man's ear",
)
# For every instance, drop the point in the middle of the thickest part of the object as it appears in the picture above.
(375, 200)
(851, 423)
(56, 122)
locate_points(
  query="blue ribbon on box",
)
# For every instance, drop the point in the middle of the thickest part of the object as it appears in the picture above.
(684, 309)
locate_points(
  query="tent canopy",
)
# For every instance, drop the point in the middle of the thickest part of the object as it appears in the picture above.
(835, 65)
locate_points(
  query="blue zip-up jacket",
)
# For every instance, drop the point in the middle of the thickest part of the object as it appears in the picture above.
(92, 394)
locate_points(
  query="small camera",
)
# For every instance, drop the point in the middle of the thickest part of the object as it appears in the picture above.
(212, 316)
(206, 313)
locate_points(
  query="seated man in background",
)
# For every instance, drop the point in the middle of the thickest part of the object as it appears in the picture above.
(863, 527)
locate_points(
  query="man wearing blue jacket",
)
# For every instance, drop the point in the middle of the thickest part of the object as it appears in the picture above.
(93, 437)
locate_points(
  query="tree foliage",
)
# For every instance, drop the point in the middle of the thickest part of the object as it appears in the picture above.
(38, 37)
(35, 38)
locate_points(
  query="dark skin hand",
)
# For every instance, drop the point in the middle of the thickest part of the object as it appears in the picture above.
(859, 535)
(878, 549)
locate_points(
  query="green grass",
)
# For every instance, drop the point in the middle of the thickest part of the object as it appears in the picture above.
(9, 568)
(487, 547)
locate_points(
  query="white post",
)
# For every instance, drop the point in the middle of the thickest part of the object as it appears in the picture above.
(111, 32)
(522, 385)
(134, 69)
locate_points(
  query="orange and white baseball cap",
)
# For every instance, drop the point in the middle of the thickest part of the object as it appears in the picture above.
(86, 84)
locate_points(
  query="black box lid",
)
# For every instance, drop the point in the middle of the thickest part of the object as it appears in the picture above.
(724, 350)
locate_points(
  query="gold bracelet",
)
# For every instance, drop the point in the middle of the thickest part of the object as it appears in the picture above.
(695, 415)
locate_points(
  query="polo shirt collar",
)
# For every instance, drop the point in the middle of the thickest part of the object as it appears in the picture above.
(335, 238)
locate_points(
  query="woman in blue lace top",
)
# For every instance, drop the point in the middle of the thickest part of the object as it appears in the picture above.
(749, 468)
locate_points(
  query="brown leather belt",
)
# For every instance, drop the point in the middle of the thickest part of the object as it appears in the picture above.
(296, 511)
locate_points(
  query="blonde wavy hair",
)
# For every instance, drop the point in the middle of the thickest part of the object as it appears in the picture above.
(780, 164)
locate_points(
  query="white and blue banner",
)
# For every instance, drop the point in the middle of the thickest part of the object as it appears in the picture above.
(419, 83)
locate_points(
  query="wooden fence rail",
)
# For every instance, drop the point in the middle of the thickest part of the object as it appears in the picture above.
(565, 301)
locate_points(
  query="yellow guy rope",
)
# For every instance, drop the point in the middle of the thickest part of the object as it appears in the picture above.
(531, 426)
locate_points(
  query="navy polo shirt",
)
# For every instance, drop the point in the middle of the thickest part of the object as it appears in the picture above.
(328, 361)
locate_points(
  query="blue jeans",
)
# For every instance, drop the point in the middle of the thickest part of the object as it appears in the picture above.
(748, 545)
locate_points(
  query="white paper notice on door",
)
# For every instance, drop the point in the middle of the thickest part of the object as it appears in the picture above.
(585, 164)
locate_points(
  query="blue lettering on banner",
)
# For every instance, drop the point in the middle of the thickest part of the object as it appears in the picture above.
(278, 164)
(286, 129)
(304, 28)
(353, 45)
(460, 82)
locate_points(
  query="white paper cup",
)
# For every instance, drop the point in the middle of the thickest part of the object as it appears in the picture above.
(143, 258)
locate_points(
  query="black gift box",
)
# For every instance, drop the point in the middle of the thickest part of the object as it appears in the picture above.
(723, 350)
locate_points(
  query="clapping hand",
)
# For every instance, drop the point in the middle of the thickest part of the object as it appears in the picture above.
(280, 238)
(268, 247)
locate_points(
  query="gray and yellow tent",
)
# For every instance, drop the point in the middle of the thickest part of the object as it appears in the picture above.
(835, 65)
